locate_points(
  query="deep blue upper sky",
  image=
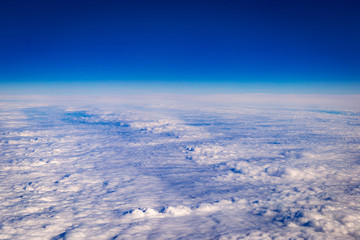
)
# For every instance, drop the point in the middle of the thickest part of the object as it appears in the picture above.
(288, 46)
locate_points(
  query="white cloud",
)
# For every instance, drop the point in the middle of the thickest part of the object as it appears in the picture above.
(202, 168)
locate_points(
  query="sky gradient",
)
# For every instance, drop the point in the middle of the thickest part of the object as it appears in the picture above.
(180, 46)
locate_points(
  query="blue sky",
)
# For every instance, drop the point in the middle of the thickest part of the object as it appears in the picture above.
(180, 46)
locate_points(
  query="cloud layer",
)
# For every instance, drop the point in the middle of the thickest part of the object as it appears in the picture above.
(177, 170)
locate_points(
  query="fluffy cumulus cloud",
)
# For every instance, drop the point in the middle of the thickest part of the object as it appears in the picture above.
(176, 169)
